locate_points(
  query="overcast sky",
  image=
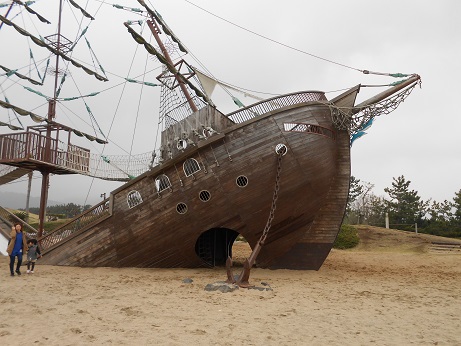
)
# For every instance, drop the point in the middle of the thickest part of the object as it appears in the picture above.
(419, 140)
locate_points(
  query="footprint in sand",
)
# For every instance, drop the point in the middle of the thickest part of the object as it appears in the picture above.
(130, 311)
(199, 332)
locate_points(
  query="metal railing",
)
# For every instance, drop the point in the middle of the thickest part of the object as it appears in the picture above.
(275, 103)
(88, 218)
(10, 219)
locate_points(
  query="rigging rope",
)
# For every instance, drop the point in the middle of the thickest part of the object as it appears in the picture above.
(294, 48)
(139, 106)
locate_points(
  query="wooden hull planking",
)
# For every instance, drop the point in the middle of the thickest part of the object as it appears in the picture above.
(314, 185)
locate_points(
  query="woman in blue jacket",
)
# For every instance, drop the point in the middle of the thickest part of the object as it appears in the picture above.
(17, 247)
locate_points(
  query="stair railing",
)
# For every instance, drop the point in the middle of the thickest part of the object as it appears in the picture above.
(10, 219)
(88, 218)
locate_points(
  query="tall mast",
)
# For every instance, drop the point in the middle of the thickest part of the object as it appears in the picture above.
(155, 31)
(51, 115)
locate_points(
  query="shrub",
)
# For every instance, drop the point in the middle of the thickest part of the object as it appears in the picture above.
(21, 214)
(347, 238)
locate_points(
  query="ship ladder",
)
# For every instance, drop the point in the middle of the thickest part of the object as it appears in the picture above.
(242, 280)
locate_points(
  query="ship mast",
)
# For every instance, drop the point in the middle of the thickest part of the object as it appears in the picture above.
(51, 115)
(156, 31)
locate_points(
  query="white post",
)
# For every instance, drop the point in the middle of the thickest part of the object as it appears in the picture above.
(416, 228)
(387, 220)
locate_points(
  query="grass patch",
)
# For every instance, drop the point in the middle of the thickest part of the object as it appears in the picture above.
(348, 238)
(49, 226)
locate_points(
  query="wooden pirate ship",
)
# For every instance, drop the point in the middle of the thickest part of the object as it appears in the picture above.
(276, 172)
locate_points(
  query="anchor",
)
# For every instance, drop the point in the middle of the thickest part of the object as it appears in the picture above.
(243, 279)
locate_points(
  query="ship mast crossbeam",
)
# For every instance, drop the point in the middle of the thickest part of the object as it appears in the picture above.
(179, 78)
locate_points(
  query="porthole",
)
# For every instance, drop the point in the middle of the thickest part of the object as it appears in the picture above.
(204, 195)
(182, 144)
(133, 199)
(162, 182)
(281, 149)
(190, 167)
(181, 208)
(242, 181)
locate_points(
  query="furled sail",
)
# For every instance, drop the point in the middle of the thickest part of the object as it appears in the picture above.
(140, 40)
(30, 10)
(86, 14)
(10, 72)
(38, 119)
(165, 27)
(40, 43)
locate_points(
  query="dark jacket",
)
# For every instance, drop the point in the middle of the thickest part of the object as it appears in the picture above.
(33, 253)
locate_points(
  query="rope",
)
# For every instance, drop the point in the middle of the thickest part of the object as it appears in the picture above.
(364, 71)
(356, 124)
(139, 106)
(272, 40)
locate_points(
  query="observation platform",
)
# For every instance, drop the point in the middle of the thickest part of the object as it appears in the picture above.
(34, 150)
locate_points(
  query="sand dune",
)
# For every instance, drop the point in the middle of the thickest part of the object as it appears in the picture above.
(382, 295)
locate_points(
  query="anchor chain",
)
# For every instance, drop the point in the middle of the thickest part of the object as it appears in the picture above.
(274, 201)
(242, 280)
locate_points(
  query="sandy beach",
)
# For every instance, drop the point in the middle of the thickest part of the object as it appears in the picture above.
(393, 294)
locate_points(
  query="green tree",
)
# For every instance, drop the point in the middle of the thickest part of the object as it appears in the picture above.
(457, 207)
(355, 190)
(376, 210)
(439, 218)
(456, 216)
(405, 206)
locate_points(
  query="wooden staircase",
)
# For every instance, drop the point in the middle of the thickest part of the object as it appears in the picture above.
(445, 248)
(8, 174)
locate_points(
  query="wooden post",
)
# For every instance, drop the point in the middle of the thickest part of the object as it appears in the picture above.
(43, 201)
(416, 228)
(387, 220)
(29, 185)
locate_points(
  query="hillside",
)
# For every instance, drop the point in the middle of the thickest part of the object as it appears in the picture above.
(33, 218)
(374, 239)
(382, 239)
(18, 200)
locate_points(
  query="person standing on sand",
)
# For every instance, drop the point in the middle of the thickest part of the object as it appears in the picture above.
(16, 247)
(32, 254)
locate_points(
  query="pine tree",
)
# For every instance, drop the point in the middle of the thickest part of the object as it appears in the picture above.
(355, 190)
(405, 206)
(456, 219)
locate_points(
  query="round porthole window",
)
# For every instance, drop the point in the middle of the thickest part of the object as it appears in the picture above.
(182, 144)
(281, 149)
(204, 195)
(181, 208)
(242, 181)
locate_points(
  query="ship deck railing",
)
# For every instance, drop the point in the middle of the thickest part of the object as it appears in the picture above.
(275, 103)
(29, 150)
(81, 222)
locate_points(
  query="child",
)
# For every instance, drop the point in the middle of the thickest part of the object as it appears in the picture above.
(32, 255)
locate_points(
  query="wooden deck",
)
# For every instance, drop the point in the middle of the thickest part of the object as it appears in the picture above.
(27, 150)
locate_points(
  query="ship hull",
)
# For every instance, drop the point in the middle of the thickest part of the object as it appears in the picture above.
(230, 195)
